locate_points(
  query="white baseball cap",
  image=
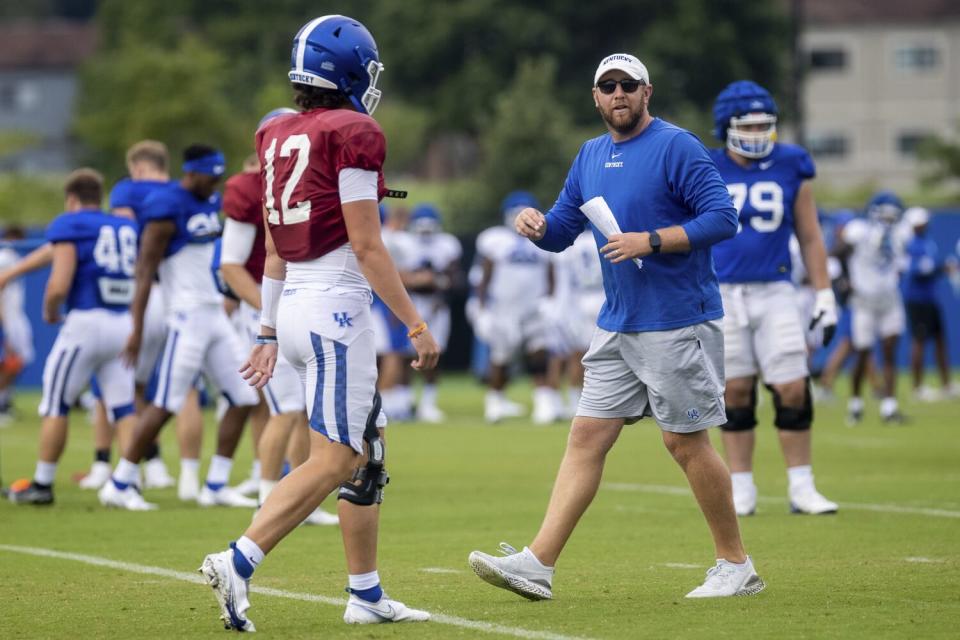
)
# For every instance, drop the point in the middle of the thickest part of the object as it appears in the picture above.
(916, 216)
(625, 62)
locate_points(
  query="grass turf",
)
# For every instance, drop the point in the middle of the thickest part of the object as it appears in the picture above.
(874, 570)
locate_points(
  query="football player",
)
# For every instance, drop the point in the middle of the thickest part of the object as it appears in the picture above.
(876, 254)
(241, 264)
(764, 329)
(94, 254)
(18, 351)
(181, 224)
(516, 277)
(435, 270)
(322, 177)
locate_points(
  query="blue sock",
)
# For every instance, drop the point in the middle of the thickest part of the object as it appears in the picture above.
(215, 486)
(240, 563)
(373, 594)
(122, 486)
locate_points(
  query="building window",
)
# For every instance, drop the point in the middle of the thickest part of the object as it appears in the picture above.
(908, 143)
(828, 147)
(828, 59)
(916, 58)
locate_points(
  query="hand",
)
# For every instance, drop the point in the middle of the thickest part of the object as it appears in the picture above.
(825, 314)
(531, 224)
(131, 351)
(52, 316)
(626, 246)
(428, 352)
(258, 369)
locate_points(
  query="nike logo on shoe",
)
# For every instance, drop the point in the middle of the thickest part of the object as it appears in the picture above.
(387, 613)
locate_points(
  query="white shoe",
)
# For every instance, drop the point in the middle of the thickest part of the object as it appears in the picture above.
(728, 579)
(129, 498)
(491, 410)
(924, 393)
(188, 486)
(810, 501)
(99, 473)
(519, 572)
(430, 413)
(224, 497)
(322, 518)
(156, 476)
(509, 409)
(249, 487)
(823, 395)
(951, 391)
(359, 611)
(745, 500)
(229, 588)
(544, 407)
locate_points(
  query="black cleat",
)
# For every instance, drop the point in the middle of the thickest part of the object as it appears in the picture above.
(34, 494)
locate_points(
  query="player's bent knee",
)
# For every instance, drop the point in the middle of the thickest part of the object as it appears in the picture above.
(366, 487)
(740, 419)
(794, 418)
(537, 363)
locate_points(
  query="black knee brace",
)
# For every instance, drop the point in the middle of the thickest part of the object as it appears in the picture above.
(537, 363)
(742, 418)
(366, 486)
(792, 418)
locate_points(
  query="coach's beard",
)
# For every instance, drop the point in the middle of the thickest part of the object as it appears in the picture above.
(623, 122)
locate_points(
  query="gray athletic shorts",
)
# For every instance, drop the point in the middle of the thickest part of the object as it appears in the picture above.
(676, 376)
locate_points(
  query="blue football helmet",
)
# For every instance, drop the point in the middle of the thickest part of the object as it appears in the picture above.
(514, 203)
(425, 218)
(270, 115)
(884, 206)
(742, 104)
(336, 52)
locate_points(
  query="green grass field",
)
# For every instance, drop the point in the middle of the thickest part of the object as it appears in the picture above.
(888, 565)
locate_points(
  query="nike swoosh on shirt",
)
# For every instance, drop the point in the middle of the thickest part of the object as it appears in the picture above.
(615, 155)
(766, 165)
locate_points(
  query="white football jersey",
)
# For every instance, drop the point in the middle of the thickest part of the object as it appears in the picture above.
(875, 261)
(520, 268)
(436, 252)
(187, 279)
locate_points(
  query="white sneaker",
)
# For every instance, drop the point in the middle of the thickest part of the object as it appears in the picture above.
(156, 476)
(249, 487)
(810, 501)
(229, 588)
(823, 395)
(951, 390)
(99, 473)
(224, 497)
(129, 498)
(430, 413)
(322, 518)
(728, 579)
(510, 409)
(359, 611)
(544, 407)
(745, 500)
(519, 572)
(188, 486)
(491, 410)
(924, 393)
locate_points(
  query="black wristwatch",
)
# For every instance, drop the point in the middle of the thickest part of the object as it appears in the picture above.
(655, 242)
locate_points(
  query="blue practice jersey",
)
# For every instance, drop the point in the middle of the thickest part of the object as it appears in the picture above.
(923, 271)
(660, 178)
(132, 194)
(764, 194)
(106, 248)
(197, 221)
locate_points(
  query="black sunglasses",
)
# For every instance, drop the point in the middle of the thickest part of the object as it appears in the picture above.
(609, 86)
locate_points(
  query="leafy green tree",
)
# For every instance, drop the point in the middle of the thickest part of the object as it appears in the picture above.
(942, 157)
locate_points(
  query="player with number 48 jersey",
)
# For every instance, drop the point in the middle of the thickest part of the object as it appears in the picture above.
(764, 331)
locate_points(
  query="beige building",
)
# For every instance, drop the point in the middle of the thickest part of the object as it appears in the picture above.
(881, 76)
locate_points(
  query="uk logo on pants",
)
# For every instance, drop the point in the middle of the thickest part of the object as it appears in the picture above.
(341, 318)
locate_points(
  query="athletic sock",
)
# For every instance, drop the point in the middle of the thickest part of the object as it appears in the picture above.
(125, 474)
(888, 407)
(429, 396)
(366, 586)
(742, 480)
(266, 486)
(855, 404)
(247, 556)
(255, 470)
(800, 476)
(101, 455)
(219, 472)
(190, 465)
(45, 473)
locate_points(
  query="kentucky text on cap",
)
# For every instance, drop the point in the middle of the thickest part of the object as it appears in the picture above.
(624, 62)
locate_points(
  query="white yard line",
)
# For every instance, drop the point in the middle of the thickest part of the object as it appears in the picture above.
(857, 506)
(194, 578)
(439, 570)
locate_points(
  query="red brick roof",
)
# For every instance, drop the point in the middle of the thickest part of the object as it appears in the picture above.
(48, 44)
(851, 12)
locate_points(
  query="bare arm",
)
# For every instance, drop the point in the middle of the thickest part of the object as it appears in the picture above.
(241, 283)
(486, 266)
(153, 243)
(36, 259)
(64, 257)
(810, 237)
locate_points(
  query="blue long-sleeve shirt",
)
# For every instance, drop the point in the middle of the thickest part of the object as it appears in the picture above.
(920, 281)
(660, 178)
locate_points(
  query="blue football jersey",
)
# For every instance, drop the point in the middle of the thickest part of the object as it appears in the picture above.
(132, 194)
(106, 248)
(764, 194)
(197, 221)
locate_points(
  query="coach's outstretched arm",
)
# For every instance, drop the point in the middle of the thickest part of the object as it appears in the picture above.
(153, 243)
(36, 259)
(362, 218)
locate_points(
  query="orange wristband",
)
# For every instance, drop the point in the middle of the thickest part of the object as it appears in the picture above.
(417, 330)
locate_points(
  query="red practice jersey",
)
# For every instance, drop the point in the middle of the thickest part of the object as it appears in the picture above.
(301, 156)
(243, 202)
